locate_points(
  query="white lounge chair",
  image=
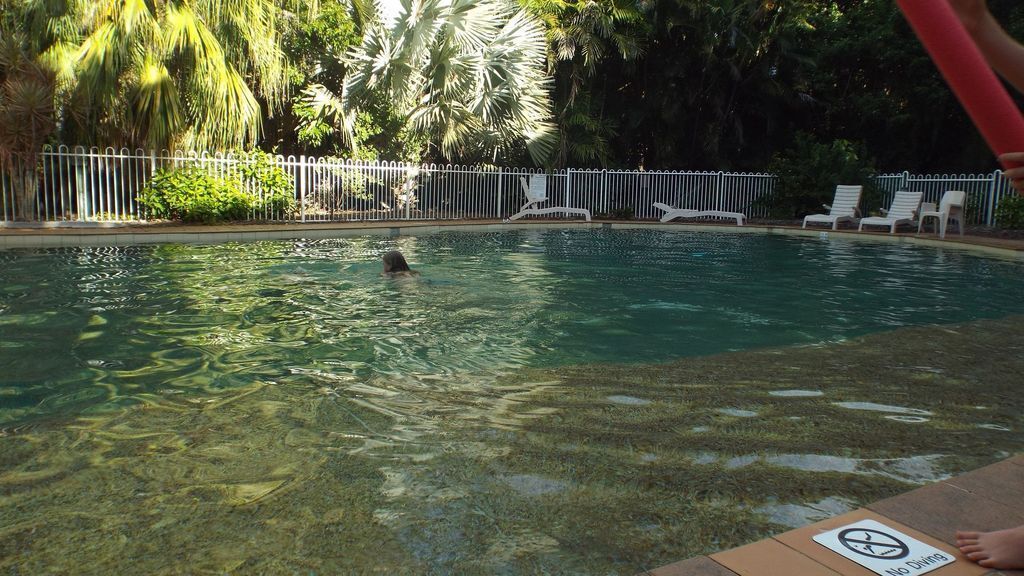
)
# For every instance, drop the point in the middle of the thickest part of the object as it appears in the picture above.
(673, 213)
(951, 207)
(536, 192)
(905, 205)
(842, 209)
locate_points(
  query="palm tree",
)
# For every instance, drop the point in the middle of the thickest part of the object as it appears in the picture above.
(469, 74)
(583, 35)
(26, 121)
(165, 73)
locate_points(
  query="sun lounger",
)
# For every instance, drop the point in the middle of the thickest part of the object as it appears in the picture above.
(843, 208)
(904, 209)
(673, 213)
(536, 191)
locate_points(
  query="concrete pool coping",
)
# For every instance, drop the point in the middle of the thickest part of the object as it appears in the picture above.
(990, 498)
(51, 235)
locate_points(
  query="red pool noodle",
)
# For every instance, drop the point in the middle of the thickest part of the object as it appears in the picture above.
(967, 73)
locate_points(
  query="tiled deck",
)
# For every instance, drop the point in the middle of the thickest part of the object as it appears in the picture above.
(991, 498)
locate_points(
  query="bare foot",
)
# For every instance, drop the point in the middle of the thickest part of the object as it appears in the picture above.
(1002, 549)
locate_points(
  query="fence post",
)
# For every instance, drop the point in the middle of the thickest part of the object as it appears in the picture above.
(718, 190)
(302, 188)
(81, 185)
(407, 189)
(604, 190)
(990, 208)
(568, 190)
(501, 185)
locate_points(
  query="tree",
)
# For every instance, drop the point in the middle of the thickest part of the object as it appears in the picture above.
(581, 35)
(466, 74)
(714, 89)
(26, 120)
(873, 82)
(164, 73)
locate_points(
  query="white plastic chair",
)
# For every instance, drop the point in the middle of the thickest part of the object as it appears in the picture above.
(673, 213)
(951, 207)
(905, 205)
(843, 208)
(536, 191)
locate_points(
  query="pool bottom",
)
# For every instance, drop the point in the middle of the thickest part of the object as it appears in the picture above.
(587, 469)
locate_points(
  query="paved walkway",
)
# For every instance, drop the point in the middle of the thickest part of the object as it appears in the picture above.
(991, 498)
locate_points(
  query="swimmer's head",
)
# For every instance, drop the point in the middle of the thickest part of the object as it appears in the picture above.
(395, 262)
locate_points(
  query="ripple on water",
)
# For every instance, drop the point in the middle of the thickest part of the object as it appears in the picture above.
(908, 419)
(796, 515)
(873, 407)
(796, 393)
(628, 400)
(917, 469)
(736, 412)
(533, 485)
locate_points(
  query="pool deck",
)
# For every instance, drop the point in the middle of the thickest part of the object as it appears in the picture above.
(54, 234)
(991, 498)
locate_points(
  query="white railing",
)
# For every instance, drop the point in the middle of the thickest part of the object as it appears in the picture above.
(95, 185)
(984, 191)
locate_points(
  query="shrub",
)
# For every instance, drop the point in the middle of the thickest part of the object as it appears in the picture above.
(275, 186)
(624, 213)
(809, 172)
(1010, 212)
(192, 194)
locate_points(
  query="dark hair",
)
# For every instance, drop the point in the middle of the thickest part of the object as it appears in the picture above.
(395, 262)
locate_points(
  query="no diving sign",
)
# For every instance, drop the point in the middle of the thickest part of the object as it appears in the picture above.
(883, 550)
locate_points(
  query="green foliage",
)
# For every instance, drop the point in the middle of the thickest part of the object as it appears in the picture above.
(809, 172)
(624, 213)
(314, 43)
(870, 79)
(194, 195)
(276, 187)
(26, 117)
(716, 87)
(1010, 213)
(469, 75)
(163, 74)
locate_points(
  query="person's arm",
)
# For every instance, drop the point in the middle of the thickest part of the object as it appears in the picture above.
(1003, 53)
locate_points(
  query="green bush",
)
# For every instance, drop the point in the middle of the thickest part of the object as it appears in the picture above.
(192, 194)
(1010, 213)
(809, 172)
(276, 186)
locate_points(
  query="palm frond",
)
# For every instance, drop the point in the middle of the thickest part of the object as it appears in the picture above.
(157, 110)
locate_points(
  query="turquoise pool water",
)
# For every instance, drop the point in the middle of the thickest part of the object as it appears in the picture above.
(486, 416)
(112, 323)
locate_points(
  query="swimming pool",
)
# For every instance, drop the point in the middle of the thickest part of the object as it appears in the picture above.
(562, 401)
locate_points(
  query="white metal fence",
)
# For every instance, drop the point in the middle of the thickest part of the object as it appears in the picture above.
(95, 185)
(984, 191)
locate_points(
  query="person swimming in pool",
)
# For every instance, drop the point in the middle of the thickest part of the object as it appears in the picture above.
(395, 265)
(1003, 549)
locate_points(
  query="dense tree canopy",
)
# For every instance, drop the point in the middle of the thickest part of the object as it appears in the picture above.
(680, 84)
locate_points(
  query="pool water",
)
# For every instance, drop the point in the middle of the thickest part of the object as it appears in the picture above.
(535, 401)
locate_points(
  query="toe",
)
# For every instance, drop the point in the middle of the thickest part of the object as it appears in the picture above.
(968, 549)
